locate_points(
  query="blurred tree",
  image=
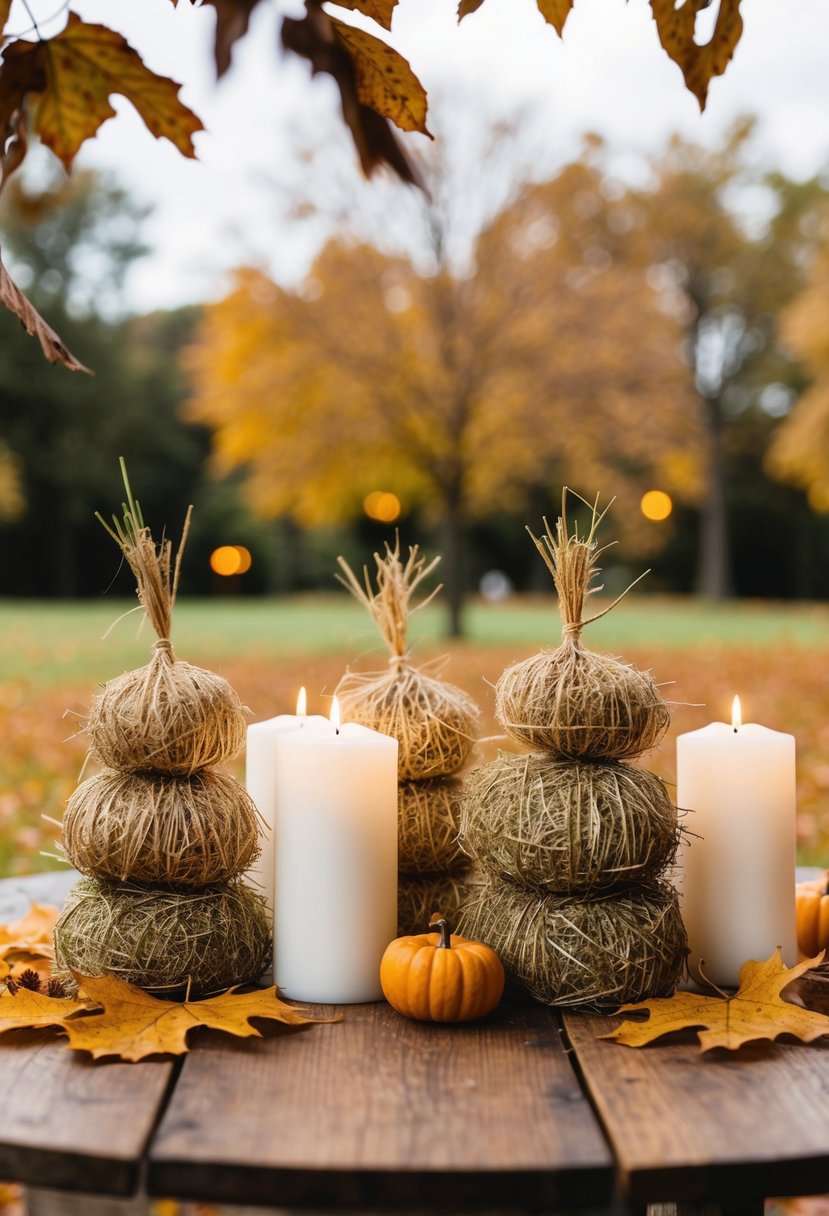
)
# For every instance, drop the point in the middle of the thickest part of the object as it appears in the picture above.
(64, 434)
(726, 274)
(457, 389)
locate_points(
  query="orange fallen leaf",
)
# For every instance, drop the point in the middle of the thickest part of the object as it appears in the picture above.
(134, 1024)
(755, 1011)
(26, 1009)
(30, 932)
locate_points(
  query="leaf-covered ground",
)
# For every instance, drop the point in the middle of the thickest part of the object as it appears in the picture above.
(782, 686)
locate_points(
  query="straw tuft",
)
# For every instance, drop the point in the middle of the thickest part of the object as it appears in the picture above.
(564, 826)
(167, 717)
(160, 829)
(427, 826)
(603, 952)
(420, 900)
(164, 940)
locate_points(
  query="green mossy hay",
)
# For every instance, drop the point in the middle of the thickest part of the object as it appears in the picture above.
(570, 701)
(565, 826)
(433, 721)
(427, 826)
(168, 716)
(151, 828)
(602, 952)
(420, 900)
(161, 939)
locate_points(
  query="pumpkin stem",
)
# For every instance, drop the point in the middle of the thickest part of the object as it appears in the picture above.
(445, 933)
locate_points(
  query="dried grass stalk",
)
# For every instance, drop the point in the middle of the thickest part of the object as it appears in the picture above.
(570, 701)
(568, 950)
(433, 721)
(163, 939)
(168, 716)
(566, 826)
(420, 900)
(188, 831)
(427, 826)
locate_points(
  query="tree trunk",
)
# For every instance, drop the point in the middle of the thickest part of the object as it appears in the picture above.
(713, 578)
(452, 565)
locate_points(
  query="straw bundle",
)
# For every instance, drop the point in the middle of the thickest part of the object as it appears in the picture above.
(568, 950)
(427, 826)
(433, 721)
(566, 826)
(570, 701)
(420, 900)
(187, 831)
(163, 939)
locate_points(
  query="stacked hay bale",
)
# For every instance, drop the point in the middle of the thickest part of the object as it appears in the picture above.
(434, 723)
(160, 835)
(574, 841)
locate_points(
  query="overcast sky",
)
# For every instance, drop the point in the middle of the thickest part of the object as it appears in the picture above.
(607, 75)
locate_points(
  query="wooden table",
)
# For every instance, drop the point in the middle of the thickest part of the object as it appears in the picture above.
(524, 1111)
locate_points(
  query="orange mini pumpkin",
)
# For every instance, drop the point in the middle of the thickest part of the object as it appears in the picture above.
(812, 915)
(434, 977)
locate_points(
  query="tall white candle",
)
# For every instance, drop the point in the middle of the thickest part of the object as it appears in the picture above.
(737, 886)
(336, 863)
(260, 782)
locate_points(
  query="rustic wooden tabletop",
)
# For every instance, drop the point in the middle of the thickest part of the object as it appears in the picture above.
(526, 1110)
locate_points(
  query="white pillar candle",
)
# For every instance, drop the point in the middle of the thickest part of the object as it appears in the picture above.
(336, 863)
(737, 886)
(260, 782)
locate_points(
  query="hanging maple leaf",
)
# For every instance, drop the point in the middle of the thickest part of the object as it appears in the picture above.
(134, 1024)
(72, 76)
(385, 81)
(699, 63)
(26, 1009)
(755, 1011)
(51, 344)
(380, 10)
(555, 12)
(232, 21)
(5, 9)
(316, 39)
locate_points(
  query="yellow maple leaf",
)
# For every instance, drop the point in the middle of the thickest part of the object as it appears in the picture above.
(555, 12)
(676, 28)
(379, 10)
(84, 65)
(26, 1009)
(385, 81)
(134, 1024)
(32, 933)
(755, 1011)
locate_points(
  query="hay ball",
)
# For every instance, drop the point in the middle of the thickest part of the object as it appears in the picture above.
(602, 951)
(565, 826)
(427, 826)
(188, 831)
(420, 900)
(162, 939)
(575, 703)
(167, 717)
(433, 722)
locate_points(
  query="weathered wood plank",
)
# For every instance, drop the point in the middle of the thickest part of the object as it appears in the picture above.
(724, 1128)
(68, 1123)
(378, 1111)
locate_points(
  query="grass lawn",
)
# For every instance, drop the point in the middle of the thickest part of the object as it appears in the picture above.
(53, 656)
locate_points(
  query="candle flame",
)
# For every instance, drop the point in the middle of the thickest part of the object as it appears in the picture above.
(736, 713)
(301, 703)
(335, 714)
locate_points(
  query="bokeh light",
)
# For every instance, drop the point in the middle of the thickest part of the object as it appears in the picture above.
(230, 559)
(818, 496)
(656, 505)
(382, 506)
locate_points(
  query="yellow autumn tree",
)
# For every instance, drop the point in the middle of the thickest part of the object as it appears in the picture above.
(461, 392)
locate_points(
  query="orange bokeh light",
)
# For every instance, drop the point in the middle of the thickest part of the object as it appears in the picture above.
(383, 506)
(230, 559)
(656, 505)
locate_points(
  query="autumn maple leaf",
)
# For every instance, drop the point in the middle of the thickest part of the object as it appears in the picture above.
(26, 1009)
(135, 1024)
(755, 1011)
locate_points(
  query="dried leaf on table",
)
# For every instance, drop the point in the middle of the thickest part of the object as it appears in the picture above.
(755, 1011)
(26, 1009)
(134, 1024)
(31, 933)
